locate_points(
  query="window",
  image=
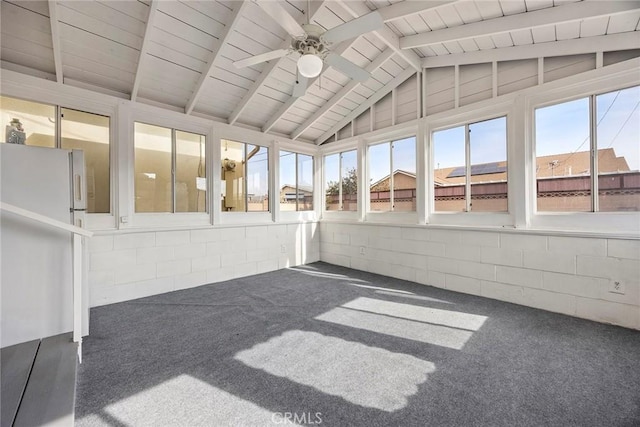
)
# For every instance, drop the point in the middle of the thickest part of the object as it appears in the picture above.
(32, 123)
(392, 173)
(341, 181)
(90, 133)
(565, 145)
(245, 177)
(29, 123)
(296, 182)
(470, 167)
(170, 173)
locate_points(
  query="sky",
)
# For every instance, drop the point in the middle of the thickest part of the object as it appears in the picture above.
(564, 128)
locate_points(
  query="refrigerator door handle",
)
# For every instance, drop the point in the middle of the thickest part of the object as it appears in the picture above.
(78, 187)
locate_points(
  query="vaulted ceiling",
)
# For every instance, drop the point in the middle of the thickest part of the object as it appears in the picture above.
(179, 54)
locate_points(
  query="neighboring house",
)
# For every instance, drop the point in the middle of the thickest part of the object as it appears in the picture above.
(289, 195)
(563, 184)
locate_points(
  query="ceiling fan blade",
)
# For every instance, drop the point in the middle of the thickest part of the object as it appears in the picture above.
(300, 87)
(252, 60)
(369, 22)
(347, 67)
(282, 17)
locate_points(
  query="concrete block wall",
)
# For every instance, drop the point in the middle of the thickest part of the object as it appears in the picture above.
(569, 275)
(129, 265)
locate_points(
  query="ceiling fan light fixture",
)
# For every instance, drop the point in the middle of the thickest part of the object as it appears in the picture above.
(310, 65)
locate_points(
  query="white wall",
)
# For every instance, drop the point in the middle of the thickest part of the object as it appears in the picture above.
(127, 265)
(564, 274)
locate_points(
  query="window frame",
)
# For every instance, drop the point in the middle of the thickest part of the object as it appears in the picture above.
(174, 168)
(603, 222)
(245, 185)
(328, 151)
(392, 215)
(297, 183)
(466, 116)
(594, 173)
(133, 219)
(93, 221)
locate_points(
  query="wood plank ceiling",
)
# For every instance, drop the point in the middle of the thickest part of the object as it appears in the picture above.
(179, 54)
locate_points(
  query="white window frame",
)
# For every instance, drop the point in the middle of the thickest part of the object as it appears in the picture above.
(233, 218)
(623, 223)
(48, 93)
(151, 116)
(392, 216)
(297, 216)
(461, 117)
(339, 148)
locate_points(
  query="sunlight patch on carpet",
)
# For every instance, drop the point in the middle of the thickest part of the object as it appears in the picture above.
(367, 376)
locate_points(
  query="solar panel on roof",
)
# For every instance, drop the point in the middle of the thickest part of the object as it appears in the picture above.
(481, 169)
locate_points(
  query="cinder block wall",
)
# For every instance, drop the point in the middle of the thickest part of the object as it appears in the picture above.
(128, 265)
(570, 275)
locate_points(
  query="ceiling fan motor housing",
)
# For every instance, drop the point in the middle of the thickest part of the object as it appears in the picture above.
(313, 43)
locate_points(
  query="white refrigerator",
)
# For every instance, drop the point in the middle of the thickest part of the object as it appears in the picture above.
(36, 259)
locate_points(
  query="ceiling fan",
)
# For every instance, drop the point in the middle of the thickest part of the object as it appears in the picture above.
(312, 44)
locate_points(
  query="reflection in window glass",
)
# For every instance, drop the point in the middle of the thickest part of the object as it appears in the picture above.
(233, 183)
(488, 150)
(296, 181)
(449, 175)
(563, 159)
(245, 177)
(380, 177)
(90, 133)
(153, 180)
(288, 187)
(404, 174)
(332, 182)
(27, 122)
(618, 140)
(349, 178)
(257, 178)
(305, 182)
(191, 181)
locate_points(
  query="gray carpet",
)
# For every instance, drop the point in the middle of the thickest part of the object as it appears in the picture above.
(327, 345)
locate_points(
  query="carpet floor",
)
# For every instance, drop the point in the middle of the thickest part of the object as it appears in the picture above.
(326, 345)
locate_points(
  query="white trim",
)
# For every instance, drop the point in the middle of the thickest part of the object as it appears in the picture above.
(55, 39)
(357, 9)
(404, 9)
(43, 219)
(537, 18)
(606, 43)
(222, 40)
(148, 28)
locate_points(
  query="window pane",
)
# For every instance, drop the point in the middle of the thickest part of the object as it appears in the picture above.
(488, 146)
(404, 175)
(90, 133)
(332, 182)
(305, 182)
(349, 176)
(153, 179)
(35, 125)
(380, 177)
(233, 176)
(191, 181)
(618, 139)
(257, 178)
(288, 194)
(449, 170)
(563, 161)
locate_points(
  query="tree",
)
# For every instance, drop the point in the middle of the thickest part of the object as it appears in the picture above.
(349, 184)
